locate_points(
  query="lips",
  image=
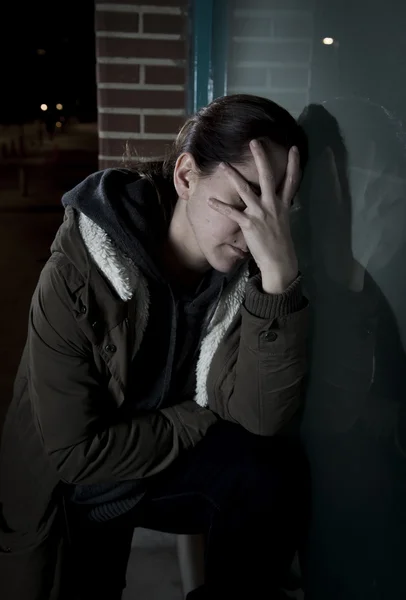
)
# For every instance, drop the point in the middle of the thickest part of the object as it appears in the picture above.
(239, 252)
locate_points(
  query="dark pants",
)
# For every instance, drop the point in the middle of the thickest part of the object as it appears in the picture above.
(246, 493)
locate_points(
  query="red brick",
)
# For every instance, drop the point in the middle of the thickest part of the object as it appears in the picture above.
(164, 24)
(165, 75)
(163, 124)
(146, 2)
(116, 21)
(118, 73)
(275, 5)
(141, 99)
(107, 164)
(140, 147)
(180, 3)
(119, 162)
(119, 123)
(174, 49)
(117, 2)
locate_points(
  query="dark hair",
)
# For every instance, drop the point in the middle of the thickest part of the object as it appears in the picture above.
(323, 131)
(221, 132)
(344, 126)
(323, 134)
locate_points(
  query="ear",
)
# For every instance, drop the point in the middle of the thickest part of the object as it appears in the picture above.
(184, 175)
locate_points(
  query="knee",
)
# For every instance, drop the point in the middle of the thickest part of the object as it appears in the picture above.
(258, 472)
(274, 475)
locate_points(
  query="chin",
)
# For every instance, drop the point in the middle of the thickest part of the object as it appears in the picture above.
(224, 264)
(224, 268)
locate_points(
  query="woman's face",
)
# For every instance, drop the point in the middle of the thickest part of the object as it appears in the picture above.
(219, 240)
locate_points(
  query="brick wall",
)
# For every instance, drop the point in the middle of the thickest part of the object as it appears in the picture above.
(141, 54)
(271, 50)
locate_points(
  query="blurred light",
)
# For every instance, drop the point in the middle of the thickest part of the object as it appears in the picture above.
(328, 41)
(59, 106)
(41, 51)
(44, 107)
(58, 124)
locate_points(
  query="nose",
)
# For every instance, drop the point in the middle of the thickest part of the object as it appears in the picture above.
(239, 242)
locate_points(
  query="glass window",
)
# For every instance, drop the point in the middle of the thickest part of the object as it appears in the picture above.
(339, 66)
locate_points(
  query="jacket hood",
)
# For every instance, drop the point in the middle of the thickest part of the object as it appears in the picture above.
(114, 218)
(126, 208)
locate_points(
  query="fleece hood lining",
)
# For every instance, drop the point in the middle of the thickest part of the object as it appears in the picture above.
(126, 279)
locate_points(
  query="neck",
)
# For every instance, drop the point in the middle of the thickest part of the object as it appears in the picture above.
(182, 257)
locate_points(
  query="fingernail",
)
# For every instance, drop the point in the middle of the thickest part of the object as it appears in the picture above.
(254, 143)
(222, 165)
(295, 149)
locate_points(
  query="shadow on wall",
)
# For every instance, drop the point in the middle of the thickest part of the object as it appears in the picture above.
(349, 227)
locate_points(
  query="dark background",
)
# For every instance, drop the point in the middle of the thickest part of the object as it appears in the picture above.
(47, 56)
(64, 74)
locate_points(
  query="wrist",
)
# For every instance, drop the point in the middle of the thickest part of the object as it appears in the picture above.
(277, 283)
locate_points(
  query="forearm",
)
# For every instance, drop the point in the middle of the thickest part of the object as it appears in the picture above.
(269, 363)
(140, 447)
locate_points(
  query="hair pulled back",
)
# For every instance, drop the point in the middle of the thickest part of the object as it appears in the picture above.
(221, 132)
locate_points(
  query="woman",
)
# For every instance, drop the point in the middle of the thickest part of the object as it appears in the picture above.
(161, 381)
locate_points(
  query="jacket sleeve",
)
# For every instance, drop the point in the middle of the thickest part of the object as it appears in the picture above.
(269, 365)
(81, 430)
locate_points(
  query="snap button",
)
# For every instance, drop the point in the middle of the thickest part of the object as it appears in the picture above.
(271, 336)
(110, 348)
(83, 310)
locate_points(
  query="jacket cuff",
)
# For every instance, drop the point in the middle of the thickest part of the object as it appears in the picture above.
(271, 306)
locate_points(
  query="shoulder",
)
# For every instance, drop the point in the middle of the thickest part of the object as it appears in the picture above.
(59, 283)
(112, 181)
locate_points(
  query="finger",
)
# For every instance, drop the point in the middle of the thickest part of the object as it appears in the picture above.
(292, 177)
(242, 187)
(228, 211)
(266, 176)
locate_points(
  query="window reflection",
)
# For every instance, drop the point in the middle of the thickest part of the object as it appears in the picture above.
(339, 66)
(349, 226)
